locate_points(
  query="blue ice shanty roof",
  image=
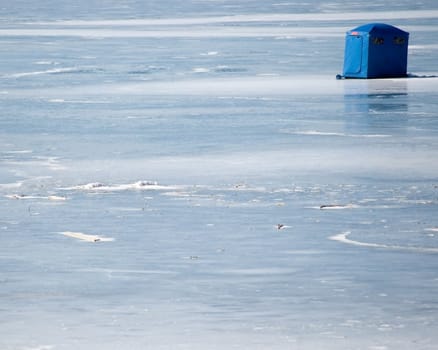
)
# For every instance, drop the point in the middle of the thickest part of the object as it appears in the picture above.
(378, 28)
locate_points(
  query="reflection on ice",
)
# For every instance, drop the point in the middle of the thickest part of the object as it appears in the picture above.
(261, 86)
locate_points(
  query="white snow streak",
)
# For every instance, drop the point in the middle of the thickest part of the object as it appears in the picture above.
(343, 238)
(248, 18)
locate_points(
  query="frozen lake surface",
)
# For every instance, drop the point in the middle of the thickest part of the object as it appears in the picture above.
(191, 175)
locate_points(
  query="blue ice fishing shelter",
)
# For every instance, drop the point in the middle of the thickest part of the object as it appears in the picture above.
(376, 50)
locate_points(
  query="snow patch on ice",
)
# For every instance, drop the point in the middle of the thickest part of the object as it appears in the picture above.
(314, 132)
(46, 63)
(48, 71)
(248, 18)
(327, 133)
(200, 70)
(40, 347)
(259, 271)
(422, 47)
(86, 237)
(111, 272)
(432, 229)
(24, 151)
(209, 53)
(23, 196)
(343, 238)
(139, 185)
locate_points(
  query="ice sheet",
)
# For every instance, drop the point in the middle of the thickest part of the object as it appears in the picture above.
(192, 176)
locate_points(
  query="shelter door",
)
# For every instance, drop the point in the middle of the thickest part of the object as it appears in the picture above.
(353, 54)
